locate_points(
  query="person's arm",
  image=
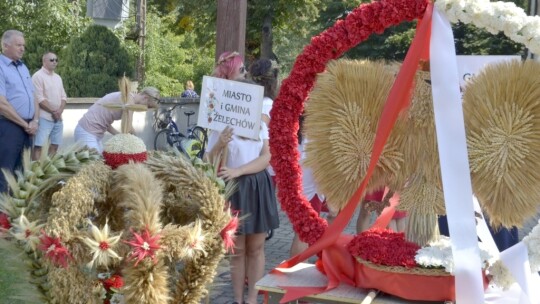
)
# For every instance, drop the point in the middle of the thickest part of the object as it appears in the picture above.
(112, 130)
(7, 110)
(63, 102)
(45, 105)
(224, 138)
(34, 124)
(58, 113)
(266, 119)
(257, 165)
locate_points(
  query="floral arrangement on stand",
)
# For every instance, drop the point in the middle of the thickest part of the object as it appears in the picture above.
(367, 19)
(385, 254)
(103, 240)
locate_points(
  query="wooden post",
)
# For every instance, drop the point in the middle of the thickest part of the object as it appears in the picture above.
(231, 26)
(141, 26)
(534, 10)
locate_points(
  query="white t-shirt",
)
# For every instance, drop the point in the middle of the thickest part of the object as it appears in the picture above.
(267, 106)
(240, 151)
(308, 182)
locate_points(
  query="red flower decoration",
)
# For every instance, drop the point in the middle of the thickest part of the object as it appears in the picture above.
(114, 281)
(144, 245)
(4, 221)
(384, 247)
(54, 250)
(363, 21)
(115, 160)
(227, 233)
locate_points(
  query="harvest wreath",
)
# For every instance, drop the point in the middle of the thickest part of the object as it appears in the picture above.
(331, 44)
(118, 236)
(137, 227)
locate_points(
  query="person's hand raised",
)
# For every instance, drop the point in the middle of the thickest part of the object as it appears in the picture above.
(226, 136)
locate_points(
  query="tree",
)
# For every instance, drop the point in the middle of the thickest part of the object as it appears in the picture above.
(173, 59)
(394, 42)
(47, 24)
(93, 63)
(281, 17)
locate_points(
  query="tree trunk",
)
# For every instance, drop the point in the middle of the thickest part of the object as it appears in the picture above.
(267, 41)
(231, 26)
(141, 26)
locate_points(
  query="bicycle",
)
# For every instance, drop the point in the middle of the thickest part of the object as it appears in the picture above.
(193, 144)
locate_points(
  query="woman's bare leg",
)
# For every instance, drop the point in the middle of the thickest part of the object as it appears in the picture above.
(238, 268)
(255, 263)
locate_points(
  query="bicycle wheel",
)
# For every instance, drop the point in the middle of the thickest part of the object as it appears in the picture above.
(161, 141)
(199, 134)
(166, 140)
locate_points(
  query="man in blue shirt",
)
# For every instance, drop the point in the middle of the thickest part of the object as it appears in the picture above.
(19, 113)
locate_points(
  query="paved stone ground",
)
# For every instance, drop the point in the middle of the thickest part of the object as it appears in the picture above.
(277, 250)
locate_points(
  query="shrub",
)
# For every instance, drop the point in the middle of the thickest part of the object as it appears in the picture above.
(93, 62)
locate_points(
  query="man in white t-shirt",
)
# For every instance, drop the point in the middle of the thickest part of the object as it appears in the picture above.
(51, 96)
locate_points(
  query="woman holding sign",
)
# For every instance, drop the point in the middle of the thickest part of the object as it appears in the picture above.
(245, 163)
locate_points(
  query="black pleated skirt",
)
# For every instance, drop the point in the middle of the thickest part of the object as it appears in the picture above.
(255, 200)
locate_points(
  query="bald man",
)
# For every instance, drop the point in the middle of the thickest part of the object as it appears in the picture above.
(51, 96)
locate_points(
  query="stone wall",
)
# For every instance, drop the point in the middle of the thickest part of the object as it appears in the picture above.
(142, 122)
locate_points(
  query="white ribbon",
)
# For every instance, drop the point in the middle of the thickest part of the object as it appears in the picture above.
(516, 259)
(453, 157)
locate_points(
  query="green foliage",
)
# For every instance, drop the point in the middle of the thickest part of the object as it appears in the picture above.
(93, 63)
(471, 40)
(172, 59)
(394, 42)
(47, 24)
(293, 20)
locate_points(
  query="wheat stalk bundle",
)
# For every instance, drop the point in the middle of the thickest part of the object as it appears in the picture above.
(126, 121)
(341, 120)
(502, 117)
(420, 181)
(423, 200)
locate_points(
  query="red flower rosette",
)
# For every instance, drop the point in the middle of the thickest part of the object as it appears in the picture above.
(124, 148)
(387, 263)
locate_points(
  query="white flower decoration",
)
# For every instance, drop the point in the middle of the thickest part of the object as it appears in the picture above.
(101, 245)
(495, 17)
(438, 254)
(25, 231)
(195, 240)
(124, 143)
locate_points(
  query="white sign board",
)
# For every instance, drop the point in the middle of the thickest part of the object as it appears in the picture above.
(231, 103)
(471, 65)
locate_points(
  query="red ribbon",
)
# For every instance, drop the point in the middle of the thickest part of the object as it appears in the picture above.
(337, 262)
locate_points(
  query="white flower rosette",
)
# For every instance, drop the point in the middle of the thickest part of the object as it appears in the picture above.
(123, 148)
(495, 17)
(438, 254)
